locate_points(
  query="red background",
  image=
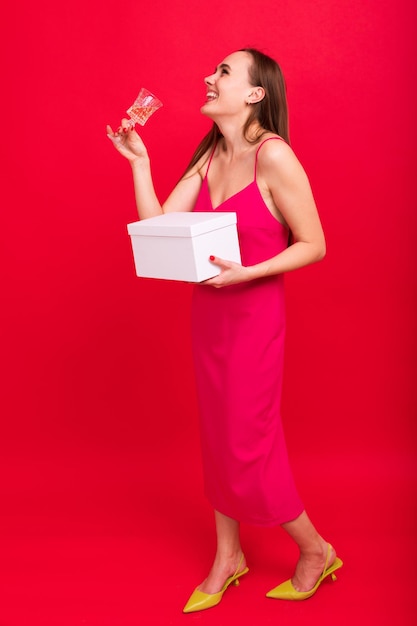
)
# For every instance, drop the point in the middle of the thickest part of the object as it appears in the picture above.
(98, 433)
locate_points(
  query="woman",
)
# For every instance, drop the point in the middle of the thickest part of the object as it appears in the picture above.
(245, 165)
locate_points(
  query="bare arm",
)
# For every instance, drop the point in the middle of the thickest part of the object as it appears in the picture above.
(128, 143)
(281, 175)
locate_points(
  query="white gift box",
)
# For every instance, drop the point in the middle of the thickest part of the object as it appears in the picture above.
(177, 246)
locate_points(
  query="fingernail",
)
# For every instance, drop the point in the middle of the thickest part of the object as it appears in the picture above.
(212, 257)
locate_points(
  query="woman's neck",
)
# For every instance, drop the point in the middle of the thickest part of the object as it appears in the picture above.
(234, 142)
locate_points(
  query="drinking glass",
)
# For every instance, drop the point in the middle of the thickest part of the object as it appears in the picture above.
(143, 107)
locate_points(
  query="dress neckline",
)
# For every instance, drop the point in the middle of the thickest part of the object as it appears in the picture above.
(253, 182)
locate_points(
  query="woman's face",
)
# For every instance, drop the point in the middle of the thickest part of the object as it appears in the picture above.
(228, 89)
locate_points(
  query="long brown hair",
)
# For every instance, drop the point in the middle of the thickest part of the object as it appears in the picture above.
(271, 112)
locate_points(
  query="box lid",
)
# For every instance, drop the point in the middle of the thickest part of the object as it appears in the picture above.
(181, 224)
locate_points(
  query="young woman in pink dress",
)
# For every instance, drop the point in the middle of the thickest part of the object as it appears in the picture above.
(245, 165)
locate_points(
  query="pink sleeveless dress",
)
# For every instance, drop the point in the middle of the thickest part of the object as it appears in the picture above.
(238, 347)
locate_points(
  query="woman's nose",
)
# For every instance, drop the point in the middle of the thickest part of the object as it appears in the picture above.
(209, 79)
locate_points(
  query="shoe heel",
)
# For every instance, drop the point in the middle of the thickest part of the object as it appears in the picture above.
(236, 582)
(334, 578)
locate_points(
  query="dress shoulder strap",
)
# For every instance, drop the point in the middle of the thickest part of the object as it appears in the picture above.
(210, 159)
(259, 147)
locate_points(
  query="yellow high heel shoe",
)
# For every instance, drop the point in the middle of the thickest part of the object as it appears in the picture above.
(199, 601)
(286, 591)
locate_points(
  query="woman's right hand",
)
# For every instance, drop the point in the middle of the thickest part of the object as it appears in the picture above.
(126, 141)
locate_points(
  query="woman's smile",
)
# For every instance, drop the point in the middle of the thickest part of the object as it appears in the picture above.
(211, 95)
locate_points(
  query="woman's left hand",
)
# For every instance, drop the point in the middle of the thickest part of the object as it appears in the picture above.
(231, 273)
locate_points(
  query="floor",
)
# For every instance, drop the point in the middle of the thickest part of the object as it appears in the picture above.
(121, 537)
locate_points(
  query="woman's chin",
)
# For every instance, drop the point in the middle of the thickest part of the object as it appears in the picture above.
(207, 110)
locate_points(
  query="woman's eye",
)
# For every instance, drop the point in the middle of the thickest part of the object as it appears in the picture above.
(224, 71)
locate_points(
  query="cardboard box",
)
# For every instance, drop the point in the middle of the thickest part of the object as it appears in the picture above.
(177, 246)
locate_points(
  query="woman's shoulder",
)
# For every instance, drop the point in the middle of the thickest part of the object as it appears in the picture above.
(270, 142)
(277, 162)
(272, 150)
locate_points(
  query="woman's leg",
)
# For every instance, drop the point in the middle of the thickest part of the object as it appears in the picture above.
(228, 554)
(313, 552)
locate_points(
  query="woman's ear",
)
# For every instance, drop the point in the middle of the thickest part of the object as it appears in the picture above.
(256, 95)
